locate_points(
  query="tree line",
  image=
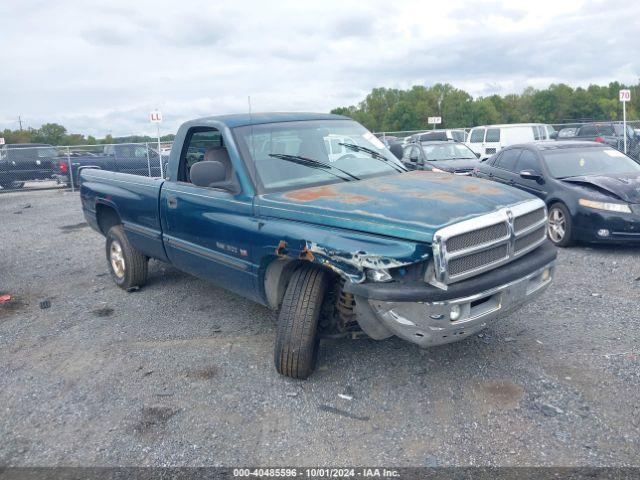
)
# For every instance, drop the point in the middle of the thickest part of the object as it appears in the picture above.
(390, 109)
(55, 134)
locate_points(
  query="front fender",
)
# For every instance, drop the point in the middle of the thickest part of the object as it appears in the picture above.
(346, 252)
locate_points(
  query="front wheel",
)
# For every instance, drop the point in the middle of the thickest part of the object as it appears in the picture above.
(127, 265)
(297, 339)
(560, 225)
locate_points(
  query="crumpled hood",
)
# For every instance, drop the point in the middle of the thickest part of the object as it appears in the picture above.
(625, 186)
(410, 205)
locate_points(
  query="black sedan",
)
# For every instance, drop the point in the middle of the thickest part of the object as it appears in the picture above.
(592, 191)
(440, 156)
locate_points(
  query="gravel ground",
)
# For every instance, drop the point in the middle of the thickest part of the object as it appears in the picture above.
(181, 373)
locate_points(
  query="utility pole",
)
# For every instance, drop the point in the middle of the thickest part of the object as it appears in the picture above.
(20, 122)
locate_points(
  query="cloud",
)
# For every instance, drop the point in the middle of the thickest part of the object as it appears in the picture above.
(108, 37)
(100, 68)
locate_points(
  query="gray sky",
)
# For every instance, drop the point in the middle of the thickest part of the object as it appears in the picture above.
(100, 69)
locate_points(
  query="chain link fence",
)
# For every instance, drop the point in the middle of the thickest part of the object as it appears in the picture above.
(24, 166)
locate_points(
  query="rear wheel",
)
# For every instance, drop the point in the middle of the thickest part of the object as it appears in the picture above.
(127, 265)
(297, 339)
(560, 225)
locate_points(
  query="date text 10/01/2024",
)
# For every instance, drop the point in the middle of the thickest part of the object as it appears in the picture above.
(316, 472)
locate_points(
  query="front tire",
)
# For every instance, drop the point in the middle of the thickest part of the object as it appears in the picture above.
(560, 225)
(127, 265)
(297, 339)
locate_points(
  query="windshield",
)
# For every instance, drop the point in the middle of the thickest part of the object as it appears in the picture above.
(447, 151)
(47, 152)
(588, 161)
(619, 128)
(320, 140)
(606, 130)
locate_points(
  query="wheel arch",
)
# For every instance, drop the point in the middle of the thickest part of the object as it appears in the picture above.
(107, 216)
(275, 274)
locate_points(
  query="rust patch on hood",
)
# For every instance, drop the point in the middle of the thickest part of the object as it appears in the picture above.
(481, 189)
(326, 192)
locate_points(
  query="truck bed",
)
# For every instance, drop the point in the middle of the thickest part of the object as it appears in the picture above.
(134, 198)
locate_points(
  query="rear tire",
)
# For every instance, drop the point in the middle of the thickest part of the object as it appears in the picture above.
(128, 267)
(297, 339)
(560, 225)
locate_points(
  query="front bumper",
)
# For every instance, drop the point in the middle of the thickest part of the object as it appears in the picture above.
(622, 227)
(422, 314)
(429, 323)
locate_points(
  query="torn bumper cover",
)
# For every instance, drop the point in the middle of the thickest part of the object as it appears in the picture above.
(428, 316)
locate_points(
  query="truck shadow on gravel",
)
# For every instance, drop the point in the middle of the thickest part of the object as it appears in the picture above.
(153, 419)
(71, 228)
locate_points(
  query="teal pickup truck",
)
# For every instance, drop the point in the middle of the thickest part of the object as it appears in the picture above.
(312, 216)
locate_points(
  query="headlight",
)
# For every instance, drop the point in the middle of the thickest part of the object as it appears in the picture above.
(612, 207)
(434, 169)
(380, 275)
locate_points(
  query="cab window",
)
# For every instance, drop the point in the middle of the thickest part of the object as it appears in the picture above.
(508, 159)
(528, 161)
(199, 143)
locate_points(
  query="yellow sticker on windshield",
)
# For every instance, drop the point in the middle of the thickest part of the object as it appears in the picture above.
(582, 162)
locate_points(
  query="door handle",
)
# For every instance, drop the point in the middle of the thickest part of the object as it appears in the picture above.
(172, 202)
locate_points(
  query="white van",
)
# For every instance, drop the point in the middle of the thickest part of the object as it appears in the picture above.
(489, 139)
(455, 134)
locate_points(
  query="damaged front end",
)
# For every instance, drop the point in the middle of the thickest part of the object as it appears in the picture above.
(354, 258)
(382, 264)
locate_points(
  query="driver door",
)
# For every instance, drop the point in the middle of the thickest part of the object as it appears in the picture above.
(206, 231)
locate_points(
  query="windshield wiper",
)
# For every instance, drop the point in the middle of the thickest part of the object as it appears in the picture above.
(374, 154)
(309, 162)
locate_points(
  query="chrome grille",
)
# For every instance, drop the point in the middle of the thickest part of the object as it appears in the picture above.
(528, 219)
(474, 246)
(477, 237)
(471, 262)
(529, 239)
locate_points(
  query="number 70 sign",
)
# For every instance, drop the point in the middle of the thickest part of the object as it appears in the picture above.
(625, 95)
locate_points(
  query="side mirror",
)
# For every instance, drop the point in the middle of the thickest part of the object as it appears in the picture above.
(530, 175)
(477, 155)
(211, 174)
(554, 136)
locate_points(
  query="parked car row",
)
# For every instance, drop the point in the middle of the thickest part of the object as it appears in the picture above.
(20, 163)
(592, 190)
(487, 140)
